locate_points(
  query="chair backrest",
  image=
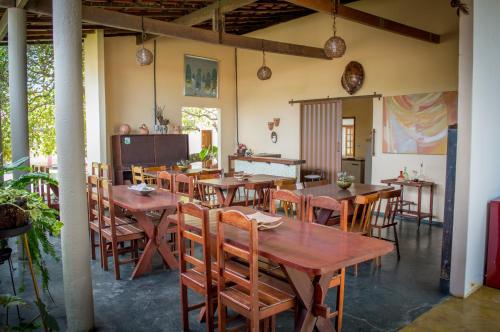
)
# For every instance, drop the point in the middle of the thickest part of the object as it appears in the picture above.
(309, 184)
(187, 256)
(93, 197)
(106, 206)
(288, 184)
(363, 210)
(327, 203)
(206, 193)
(184, 185)
(290, 202)
(137, 174)
(165, 181)
(95, 168)
(391, 199)
(225, 250)
(105, 171)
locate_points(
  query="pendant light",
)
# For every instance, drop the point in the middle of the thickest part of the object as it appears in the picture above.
(264, 72)
(144, 57)
(335, 46)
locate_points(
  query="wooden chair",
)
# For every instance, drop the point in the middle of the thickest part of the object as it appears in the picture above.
(95, 169)
(114, 231)
(184, 185)
(338, 280)
(206, 194)
(198, 277)
(391, 199)
(293, 202)
(362, 216)
(137, 174)
(258, 298)
(93, 213)
(105, 171)
(153, 169)
(165, 181)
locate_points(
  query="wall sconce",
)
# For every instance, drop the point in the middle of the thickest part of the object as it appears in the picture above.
(276, 122)
(270, 125)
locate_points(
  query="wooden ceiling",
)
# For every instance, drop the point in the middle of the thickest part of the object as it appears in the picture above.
(251, 17)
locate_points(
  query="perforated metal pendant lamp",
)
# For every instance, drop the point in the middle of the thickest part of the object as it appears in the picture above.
(335, 46)
(264, 72)
(143, 56)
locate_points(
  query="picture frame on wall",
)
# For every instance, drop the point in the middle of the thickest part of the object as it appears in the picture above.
(201, 77)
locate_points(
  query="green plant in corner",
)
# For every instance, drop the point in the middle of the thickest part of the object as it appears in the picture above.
(209, 153)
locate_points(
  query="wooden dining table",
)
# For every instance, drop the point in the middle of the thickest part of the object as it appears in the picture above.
(188, 172)
(231, 185)
(334, 191)
(156, 231)
(309, 254)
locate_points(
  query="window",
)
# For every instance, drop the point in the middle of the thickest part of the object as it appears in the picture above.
(348, 137)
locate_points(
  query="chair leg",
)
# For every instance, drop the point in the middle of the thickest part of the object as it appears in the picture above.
(209, 313)
(92, 243)
(184, 308)
(116, 259)
(222, 316)
(104, 254)
(396, 240)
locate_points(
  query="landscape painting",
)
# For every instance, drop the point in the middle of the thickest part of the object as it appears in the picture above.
(201, 77)
(418, 123)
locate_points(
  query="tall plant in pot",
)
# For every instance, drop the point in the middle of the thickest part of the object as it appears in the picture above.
(19, 206)
(208, 155)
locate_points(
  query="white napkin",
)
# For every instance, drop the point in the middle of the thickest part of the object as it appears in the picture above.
(262, 218)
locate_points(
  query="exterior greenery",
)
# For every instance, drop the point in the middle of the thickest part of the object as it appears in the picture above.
(40, 100)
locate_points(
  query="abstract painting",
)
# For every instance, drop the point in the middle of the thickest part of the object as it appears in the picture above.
(201, 77)
(418, 123)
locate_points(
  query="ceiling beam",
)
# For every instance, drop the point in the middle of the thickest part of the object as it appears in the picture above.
(351, 14)
(123, 21)
(4, 19)
(203, 14)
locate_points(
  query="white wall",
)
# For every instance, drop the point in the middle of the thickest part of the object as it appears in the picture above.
(394, 65)
(95, 97)
(482, 155)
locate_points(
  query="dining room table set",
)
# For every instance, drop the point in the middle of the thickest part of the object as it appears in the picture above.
(309, 254)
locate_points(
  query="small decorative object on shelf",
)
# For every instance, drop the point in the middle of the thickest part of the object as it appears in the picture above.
(183, 165)
(421, 175)
(406, 176)
(401, 177)
(249, 153)
(176, 129)
(161, 127)
(242, 148)
(143, 130)
(124, 129)
(353, 77)
(344, 180)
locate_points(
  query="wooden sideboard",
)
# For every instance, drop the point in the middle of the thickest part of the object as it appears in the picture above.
(266, 165)
(146, 150)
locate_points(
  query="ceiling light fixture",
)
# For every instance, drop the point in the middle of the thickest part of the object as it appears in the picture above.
(335, 46)
(144, 57)
(264, 72)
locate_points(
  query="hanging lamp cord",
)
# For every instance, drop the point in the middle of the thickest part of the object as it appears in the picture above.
(263, 54)
(143, 34)
(334, 17)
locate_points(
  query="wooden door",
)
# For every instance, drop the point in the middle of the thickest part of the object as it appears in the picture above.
(206, 138)
(321, 129)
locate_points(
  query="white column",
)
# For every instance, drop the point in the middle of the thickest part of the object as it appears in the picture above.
(95, 97)
(478, 179)
(18, 83)
(67, 17)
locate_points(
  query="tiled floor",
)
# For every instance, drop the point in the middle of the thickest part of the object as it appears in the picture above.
(384, 299)
(479, 312)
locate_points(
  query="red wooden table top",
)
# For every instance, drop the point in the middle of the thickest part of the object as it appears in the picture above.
(410, 183)
(232, 182)
(332, 190)
(157, 200)
(311, 248)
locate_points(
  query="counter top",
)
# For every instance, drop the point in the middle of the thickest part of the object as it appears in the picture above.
(273, 160)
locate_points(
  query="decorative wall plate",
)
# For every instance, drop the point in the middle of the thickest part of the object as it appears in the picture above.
(353, 77)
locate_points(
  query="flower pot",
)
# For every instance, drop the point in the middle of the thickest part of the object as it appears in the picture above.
(12, 216)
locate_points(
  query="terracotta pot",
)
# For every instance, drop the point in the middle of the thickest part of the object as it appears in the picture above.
(11, 216)
(124, 129)
(143, 130)
(176, 129)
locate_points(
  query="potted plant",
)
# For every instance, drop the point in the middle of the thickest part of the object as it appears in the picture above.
(242, 149)
(208, 155)
(344, 180)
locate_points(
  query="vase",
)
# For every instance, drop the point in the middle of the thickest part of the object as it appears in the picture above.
(143, 130)
(124, 129)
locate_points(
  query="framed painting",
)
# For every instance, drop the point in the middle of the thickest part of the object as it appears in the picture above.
(418, 123)
(201, 77)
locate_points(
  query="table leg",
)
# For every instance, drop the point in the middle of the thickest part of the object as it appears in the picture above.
(228, 200)
(323, 216)
(144, 264)
(220, 196)
(419, 206)
(431, 204)
(311, 295)
(161, 241)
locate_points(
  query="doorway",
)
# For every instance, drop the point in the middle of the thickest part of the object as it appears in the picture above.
(202, 125)
(357, 130)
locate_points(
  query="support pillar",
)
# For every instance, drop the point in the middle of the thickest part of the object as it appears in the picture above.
(18, 88)
(70, 143)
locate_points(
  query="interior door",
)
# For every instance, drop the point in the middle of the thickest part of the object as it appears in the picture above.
(321, 129)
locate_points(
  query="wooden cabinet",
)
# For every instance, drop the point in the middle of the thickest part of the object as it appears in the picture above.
(146, 150)
(355, 168)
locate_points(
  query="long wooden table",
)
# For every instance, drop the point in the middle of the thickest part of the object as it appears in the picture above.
(231, 185)
(188, 172)
(334, 191)
(309, 254)
(159, 200)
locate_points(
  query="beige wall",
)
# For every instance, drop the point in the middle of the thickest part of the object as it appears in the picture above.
(362, 110)
(394, 65)
(129, 87)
